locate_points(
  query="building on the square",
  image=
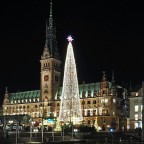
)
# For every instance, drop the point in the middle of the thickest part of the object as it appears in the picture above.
(100, 101)
(136, 107)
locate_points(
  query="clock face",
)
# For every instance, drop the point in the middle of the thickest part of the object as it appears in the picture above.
(46, 78)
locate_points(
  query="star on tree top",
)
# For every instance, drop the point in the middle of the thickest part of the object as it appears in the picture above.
(70, 39)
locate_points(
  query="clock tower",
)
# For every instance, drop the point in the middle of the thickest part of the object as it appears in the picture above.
(50, 68)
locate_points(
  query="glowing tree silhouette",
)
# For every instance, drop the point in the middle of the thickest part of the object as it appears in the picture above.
(70, 107)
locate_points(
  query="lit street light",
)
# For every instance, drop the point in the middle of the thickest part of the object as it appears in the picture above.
(35, 131)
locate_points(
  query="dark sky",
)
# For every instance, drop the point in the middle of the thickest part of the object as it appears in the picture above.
(108, 35)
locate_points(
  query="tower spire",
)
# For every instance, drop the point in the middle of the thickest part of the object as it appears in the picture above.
(50, 41)
(113, 80)
(46, 37)
(50, 16)
(6, 90)
(104, 76)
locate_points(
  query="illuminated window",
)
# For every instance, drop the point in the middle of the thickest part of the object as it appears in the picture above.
(136, 108)
(136, 125)
(136, 94)
(141, 107)
(136, 116)
(38, 99)
(106, 100)
(91, 112)
(100, 111)
(114, 100)
(102, 100)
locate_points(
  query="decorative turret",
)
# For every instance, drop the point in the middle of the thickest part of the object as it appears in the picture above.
(104, 77)
(130, 89)
(95, 91)
(113, 85)
(83, 92)
(6, 97)
(104, 85)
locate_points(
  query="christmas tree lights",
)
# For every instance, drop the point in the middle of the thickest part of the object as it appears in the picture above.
(70, 107)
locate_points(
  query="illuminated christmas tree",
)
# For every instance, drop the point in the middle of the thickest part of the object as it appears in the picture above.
(70, 107)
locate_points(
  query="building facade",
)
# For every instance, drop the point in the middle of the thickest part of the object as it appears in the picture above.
(136, 107)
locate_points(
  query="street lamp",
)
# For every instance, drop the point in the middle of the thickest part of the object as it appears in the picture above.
(10, 122)
(75, 131)
(62, 125)
(30, 130)
(35, 131)
(4, 125)
(42, 109)
(17, 127)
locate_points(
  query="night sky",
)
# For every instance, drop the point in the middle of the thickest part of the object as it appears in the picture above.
(108, 36)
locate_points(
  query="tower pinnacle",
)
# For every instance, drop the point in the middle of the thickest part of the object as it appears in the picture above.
(50, 40)
(50, 16)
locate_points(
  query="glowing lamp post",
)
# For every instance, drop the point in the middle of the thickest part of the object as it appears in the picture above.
(11, 122)
(35, 131)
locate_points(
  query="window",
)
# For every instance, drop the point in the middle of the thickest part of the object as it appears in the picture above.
(91, 112)
(83, 102)
(94, 112)
(56, 78)
(85, 112)
(102, 100)
(136, 125)
(141, 107)
(106, 100)
(136, 108)
(114, 100)
(136, 101)
(100, 111)
(136, 116)
(88, 113)
(88, 102)
(94, 102)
